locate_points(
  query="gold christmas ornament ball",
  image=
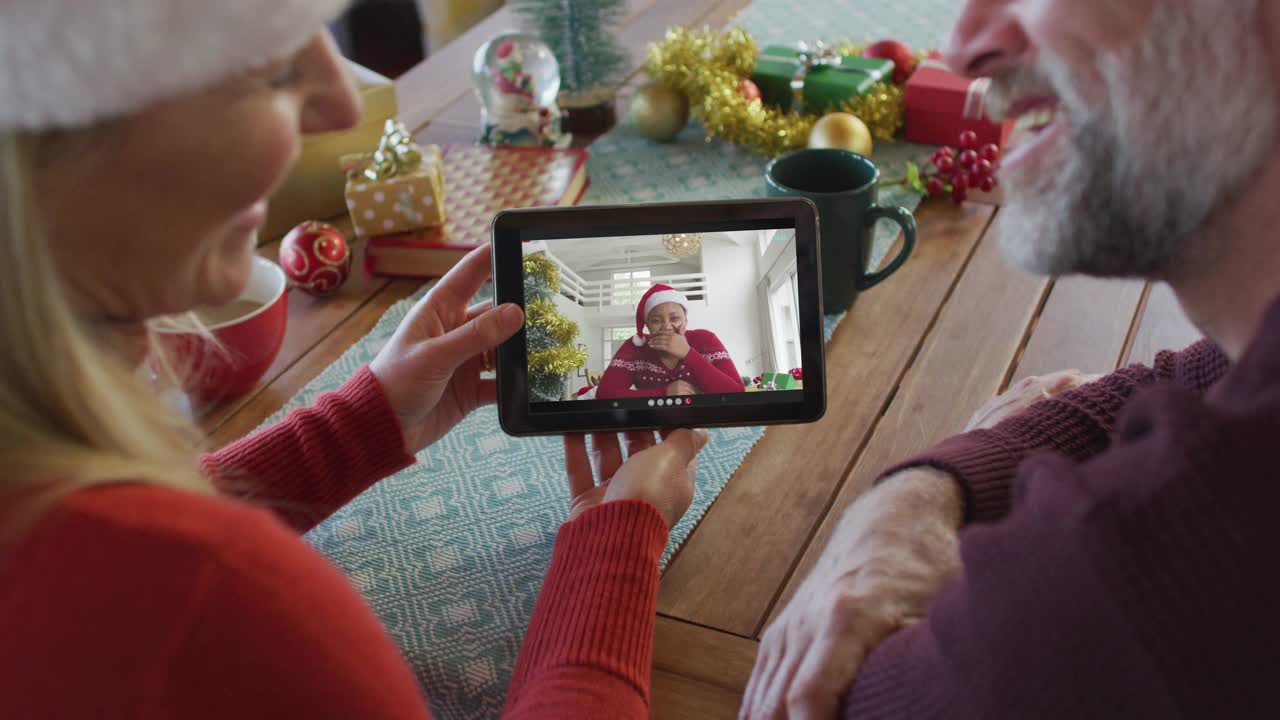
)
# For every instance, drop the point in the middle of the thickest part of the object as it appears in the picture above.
(659, 112)
(843, 132)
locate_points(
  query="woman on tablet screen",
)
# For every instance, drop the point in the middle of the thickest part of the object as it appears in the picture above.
(671, 359)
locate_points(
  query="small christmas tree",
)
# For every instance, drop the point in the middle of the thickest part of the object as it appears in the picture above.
(550, 335)
(580, 35)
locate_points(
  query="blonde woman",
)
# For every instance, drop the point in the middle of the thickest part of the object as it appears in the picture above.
(138, 144)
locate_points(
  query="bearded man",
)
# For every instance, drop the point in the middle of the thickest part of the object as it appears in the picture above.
(1118, 557)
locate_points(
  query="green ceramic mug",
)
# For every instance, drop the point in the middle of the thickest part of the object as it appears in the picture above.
(844, 185)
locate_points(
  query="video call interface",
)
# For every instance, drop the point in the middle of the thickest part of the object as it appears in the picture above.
(675, 320)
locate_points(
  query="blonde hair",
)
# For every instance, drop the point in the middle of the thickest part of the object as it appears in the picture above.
(73, 413)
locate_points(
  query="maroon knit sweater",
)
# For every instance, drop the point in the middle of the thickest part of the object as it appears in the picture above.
(1129, 572)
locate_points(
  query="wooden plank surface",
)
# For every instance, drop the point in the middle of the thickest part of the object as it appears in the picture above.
(703, 654)
(675, 697)
(440, 132)
(723, 14)
(1084, 326)
(963, 362)
(729, 570)
(1163, 326)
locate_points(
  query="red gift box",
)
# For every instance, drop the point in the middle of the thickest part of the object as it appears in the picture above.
(940, 105)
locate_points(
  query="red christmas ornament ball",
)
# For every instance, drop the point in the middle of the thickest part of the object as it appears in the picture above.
(749, 89)
(904, 61)
(316, 258)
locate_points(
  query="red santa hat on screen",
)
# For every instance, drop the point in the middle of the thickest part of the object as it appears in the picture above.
(653, 297)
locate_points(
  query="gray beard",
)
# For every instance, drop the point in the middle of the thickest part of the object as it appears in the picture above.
(1140, 182)
(1090, 228)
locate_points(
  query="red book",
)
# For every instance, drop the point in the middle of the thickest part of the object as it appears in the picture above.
(940, 105)
(479, 181)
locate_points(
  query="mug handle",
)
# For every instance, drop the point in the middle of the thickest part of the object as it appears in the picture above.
(904, 218)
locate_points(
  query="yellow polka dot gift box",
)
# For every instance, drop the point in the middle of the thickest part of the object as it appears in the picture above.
(397, 188)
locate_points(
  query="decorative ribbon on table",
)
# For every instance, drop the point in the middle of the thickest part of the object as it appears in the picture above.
(821, 56)
(397, 154)
(975, 98)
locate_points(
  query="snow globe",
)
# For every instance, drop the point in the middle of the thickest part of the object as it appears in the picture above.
(518, 80)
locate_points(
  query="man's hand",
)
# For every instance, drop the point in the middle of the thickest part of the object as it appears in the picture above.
(682, 387)
(1025, 393)
(891, 552)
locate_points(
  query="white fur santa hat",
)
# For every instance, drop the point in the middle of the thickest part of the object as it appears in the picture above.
(71, 63)
(653, 297)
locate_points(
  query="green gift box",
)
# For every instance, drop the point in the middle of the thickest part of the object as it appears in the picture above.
(781, 381)
(829, 78)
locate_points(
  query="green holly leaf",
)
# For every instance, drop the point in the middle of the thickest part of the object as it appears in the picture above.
(914, 181)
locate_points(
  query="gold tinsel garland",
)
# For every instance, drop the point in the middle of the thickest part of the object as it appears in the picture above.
(557, 361)
(543, 314)
(538, 265)
(708, 67)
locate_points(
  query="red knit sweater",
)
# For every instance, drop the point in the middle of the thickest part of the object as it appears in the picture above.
(134, 601)
(1127, 572)
(707, 366)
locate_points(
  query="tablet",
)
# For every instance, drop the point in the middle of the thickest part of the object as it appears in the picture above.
(654, 316)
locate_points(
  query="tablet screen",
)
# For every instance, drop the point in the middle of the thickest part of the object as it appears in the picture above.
(650, 316)
(671, 320)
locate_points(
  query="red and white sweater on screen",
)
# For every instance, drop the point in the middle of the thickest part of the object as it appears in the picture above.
(135, 601)
(707, 366)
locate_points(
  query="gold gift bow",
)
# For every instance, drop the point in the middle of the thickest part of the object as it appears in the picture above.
(823, 55)
(397, 154)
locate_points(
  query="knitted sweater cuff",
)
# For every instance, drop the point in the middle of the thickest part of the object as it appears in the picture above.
(981, 466)
(319, 457)
(597, 606)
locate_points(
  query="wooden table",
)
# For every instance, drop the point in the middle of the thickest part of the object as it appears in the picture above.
(906, 368)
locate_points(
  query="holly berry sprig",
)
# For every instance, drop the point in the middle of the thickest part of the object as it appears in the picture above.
(957, 170)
